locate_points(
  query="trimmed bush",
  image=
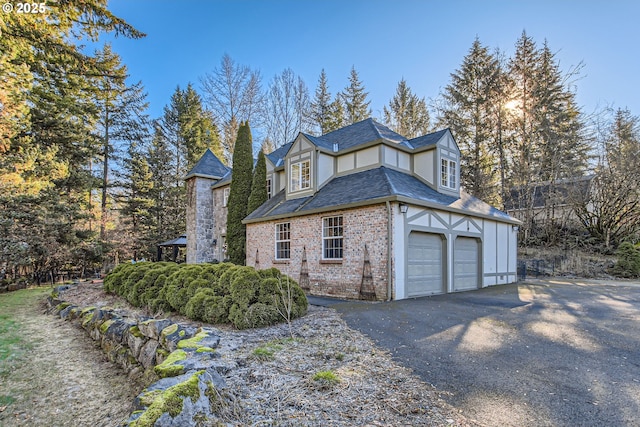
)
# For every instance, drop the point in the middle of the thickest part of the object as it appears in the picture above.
(213, 293)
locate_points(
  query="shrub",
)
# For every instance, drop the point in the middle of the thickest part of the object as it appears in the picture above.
(628, 263)
(214, 293)
(195, 308)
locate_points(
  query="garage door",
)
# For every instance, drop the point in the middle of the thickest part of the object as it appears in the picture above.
(465, 264)
(424, 265)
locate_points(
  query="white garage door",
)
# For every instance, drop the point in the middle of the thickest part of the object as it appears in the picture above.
(465, 264)
(424, 265)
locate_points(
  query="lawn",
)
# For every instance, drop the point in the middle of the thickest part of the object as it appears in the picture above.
(13, 346)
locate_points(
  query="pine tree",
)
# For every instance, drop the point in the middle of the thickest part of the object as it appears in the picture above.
(355, 100)
(321, 105)
(45, 154)
(407, 114)
(468, 112)
(197, 128)
(259, 185)
(122, 118)
(336, 118)
(138, 204)
(239, 195)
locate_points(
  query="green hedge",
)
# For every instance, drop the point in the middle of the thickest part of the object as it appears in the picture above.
(212, 293)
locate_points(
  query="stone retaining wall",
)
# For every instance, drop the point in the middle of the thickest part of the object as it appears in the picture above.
(183, 357)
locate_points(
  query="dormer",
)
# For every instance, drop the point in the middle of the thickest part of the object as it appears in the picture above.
(300, 168)
(437, 161)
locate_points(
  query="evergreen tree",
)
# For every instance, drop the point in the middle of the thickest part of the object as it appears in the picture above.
(122, 119)
(47, 149)
(355, 100)
(259, 185)
(563, 150)
(321, 105)
(336, 118)
(239, 195)
(407, 114)
(138, 204)
(468, 112)
(169, 219)
(197, 127)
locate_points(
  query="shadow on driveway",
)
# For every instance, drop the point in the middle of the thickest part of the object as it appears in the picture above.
(529, 354)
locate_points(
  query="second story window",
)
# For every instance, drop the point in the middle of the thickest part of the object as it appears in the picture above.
(448, 174)
(300, 176)
(268, 188)
(225, 196)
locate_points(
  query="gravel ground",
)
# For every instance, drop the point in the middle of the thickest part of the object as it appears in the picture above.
(67, 381)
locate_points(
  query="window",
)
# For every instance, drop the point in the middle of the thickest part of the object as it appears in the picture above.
(283, 240)
(225, 196)
(300, 176)
(332, 237)
(269, 188)
(448, 174)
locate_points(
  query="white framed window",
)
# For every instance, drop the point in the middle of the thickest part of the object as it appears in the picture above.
(225, 196)
(332, 237)
(268, 188)
(448, 173)
(283, 240)
(300, 176)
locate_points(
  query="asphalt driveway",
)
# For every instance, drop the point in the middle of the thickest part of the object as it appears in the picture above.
(549, 353)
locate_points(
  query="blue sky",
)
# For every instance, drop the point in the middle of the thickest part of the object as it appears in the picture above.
(420, 41)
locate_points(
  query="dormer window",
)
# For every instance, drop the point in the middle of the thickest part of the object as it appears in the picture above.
(448, 174)
(300, 176)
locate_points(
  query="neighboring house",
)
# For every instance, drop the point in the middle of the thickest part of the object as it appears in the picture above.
(362, 212)
(550, 202)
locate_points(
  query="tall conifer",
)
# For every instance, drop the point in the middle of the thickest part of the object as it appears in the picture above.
(239, 195)
(259, 184)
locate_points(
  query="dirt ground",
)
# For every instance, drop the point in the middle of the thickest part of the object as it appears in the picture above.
(63, 379)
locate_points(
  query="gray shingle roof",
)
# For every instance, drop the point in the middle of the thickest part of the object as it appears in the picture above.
(429, 139)
(374, 185)
(208, 165)
(277, 156)
(359, 133)
(539, 195)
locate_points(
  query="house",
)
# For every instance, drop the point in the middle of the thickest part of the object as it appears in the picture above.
(361, 212)
(550, 202)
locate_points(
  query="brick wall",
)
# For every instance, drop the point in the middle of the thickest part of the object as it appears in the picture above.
(366, 225)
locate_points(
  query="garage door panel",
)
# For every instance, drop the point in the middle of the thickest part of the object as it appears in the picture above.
(466, 257)
(424, 264)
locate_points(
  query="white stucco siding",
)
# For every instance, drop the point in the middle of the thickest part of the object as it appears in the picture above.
(346, 162)
(500, 241)
(325, 168)
(404, 160)
(497, 251)
(390, 156)
(367, 157)
(423, 166)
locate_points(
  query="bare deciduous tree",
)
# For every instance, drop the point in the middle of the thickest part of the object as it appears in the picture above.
(233, 93)
(287, 107)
